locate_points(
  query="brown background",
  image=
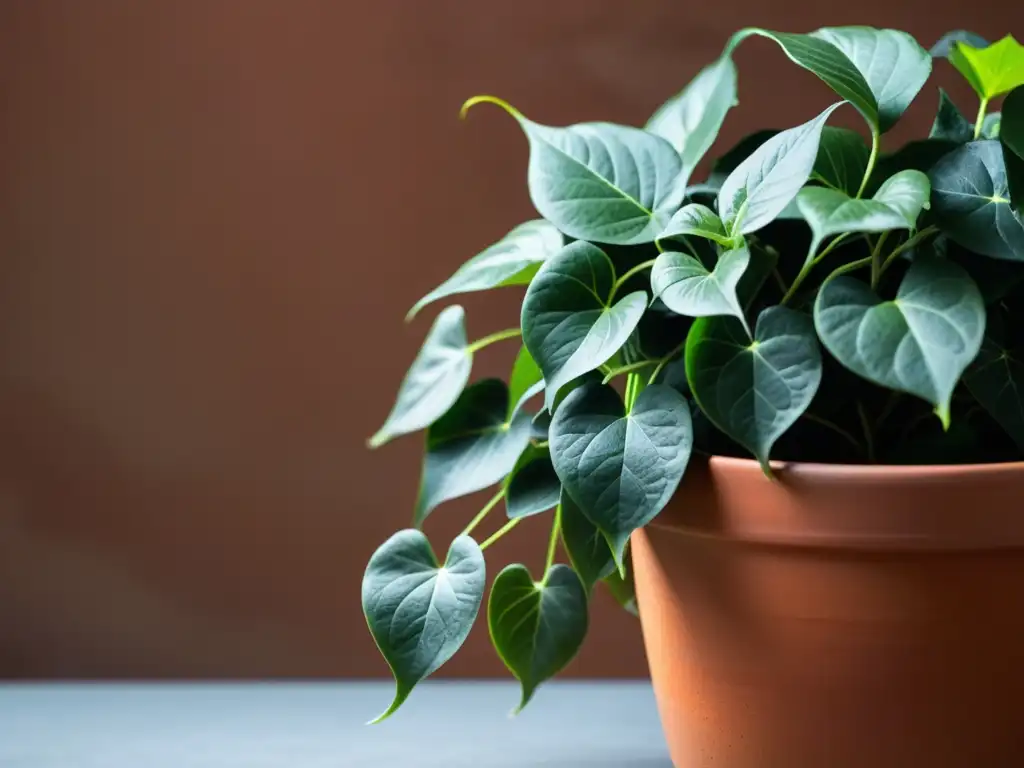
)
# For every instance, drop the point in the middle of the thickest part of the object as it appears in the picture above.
(213, 216)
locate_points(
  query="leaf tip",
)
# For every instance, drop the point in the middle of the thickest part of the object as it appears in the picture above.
(378, 439)
(487, 99)
(942, 412)
(400, 697)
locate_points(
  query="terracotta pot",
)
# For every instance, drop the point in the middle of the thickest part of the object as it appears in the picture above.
(839, 617)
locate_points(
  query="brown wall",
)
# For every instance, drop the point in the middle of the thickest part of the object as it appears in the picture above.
(213, 215)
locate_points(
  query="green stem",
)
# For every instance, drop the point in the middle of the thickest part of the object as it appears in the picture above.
(890, 404)
(906, 246)
(501, 532)
(612, 373)
(876, 260)
(809, 264)
(634, 386)
(556, 526)
(508, 333)
(853, 265)
(872, 158)
(483, 512)
(980, 121)
(665, 361)
(866, 426)
(835, 428)
(629, 273)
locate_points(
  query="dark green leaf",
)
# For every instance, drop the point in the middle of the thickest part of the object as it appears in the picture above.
(599, 181)
(587, 548)
(753, 391)
(621, 469)
(971, 201)
(996, 379)
(688, 288)
(991, 70)
(842, 159)
(525, 382)
(950, 124)
(690, 121)
(767, 181)
(471, 447)
(568, 325)
(919, 343)
(699, 221)
(622, 590)
(513, 260)
(419, 612)
(533, 486)
(914, 156)
(434, 381)
(536, 626)
(944, 46)
(1011, 134)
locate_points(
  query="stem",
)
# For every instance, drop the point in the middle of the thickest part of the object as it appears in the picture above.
(811, 263)
(835, 428)
(501, 532)
(629, 273)
(778, 279)
(876, 260)
(887, 409)
(483, 512)
(556, 526)
(612, 373)
(868, 439)
(871, 162)
(853, 265)
(630, 393)
(508, 333)
(926, 232)
(980, 121)
(665, 361)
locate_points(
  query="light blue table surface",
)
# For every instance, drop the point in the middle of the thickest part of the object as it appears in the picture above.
(322, 725)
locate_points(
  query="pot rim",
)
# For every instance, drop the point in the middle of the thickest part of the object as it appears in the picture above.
(823, 469)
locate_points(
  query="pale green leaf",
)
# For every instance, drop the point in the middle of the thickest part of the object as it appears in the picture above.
(688, 288)
(696, 220)
(992, 70)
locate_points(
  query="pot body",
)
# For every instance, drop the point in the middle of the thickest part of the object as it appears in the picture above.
(838, 617)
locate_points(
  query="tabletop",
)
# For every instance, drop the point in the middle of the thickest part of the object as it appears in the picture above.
(322, 725)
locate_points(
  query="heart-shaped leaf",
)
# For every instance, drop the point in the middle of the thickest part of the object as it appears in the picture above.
(688, 288)
(434, 381)
(919, 343)
(525, 381)
(842, 159)
(767, 181)
(598, 181)
(418, 611)
(690, 121)
(513, 260)
(533, 487)
(536, 626)
(996, 379)
(754, 391)
(585, 544)
(991, 70)
(950, 124)
(945, 44)
(699, 221)
(569, 323)
(829, 212)
(471, 447)
(621, 469)
(623, 590)
(1011, 134)
(907, 193)
(971, 201)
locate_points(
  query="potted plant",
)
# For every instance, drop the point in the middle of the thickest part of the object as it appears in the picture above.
(789, 395)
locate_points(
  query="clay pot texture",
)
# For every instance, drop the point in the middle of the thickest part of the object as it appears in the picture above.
(838, 616)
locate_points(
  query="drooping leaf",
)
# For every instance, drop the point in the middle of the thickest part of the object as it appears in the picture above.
(1011, 134)
(753, 391)
(525, 381)
(471, 447)
(699, 221)
(536, 626)
(622, 589)
(533, 487)
(434, 381)
(598, 181)
(971, 201)
(991, 70)
(586, 546)
(690, 121)
(620, 468)
(950, 124)
(919, 343)
(842, 159)
(996, 379)
(945, 44)
(569, 324)
(767, 181)
(419, 612)
(688, 288)
(513, 260)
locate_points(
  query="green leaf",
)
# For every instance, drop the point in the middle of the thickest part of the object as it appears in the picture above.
(585, 544)
(907, 193)
(729, 161)
(992, 124)
(1011, 134)
(996, 379)
(471, 447)
(599, 181)
(919, 155)
(434, 381)
(919, 343)
(533, 487)
(950, 124)
(568, 323)
(699, 221)
(765, 183)
(419, 612)
(754, 391)
(830, 212)
(537, 626)
(842, 159)
(971, 201)
(992, 70)
(621, 469)
(525, 381)
(688, 288)
(945, 44)
(513, 260)
(690, 121)
(623, 590)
